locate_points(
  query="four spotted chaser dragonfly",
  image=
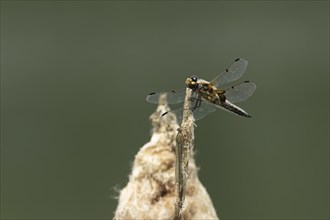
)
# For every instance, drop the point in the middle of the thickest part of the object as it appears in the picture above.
(208, 96)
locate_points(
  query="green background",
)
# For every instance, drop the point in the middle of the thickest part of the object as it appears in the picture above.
(75, 74)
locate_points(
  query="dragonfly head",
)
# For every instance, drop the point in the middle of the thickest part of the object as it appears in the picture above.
(191, 83)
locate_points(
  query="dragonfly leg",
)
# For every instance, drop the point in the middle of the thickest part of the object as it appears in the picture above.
(192, 99)
(198, 103)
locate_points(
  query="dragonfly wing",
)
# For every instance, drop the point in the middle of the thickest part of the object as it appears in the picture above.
(205, 109)
(240, 92)
(172, 97)
(232, 73)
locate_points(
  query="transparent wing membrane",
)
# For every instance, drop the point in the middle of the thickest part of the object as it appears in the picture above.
(202, 111)
(172, 97)
(240, 92)
(232, 73)
(205, 109)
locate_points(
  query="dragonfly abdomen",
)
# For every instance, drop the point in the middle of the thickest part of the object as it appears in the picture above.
(233, 109)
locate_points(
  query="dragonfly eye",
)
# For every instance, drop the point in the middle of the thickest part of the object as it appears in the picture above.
(194, 78)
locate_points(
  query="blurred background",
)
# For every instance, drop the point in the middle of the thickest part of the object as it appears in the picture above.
(75, 74)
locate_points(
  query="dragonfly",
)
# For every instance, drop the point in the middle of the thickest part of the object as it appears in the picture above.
(211, 95)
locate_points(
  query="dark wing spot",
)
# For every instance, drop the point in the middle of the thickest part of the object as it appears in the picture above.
(232, 87)
(237, 59)
(226, 70)
(153, 93)
(173, 91)
(246, 81)
(164, 114)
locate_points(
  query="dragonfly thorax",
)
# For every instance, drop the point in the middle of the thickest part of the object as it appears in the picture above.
(208, 92)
